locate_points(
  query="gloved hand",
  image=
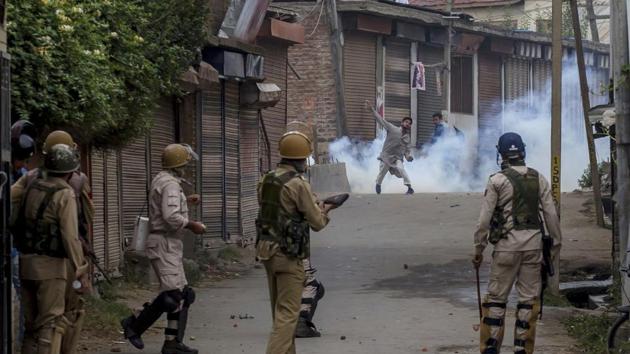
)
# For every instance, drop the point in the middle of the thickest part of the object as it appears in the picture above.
(477, 260)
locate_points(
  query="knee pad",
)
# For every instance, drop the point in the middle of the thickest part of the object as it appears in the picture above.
(169, 301)
(189, 296)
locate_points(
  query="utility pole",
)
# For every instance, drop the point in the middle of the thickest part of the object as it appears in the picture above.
(586, 106)
(619, 12)
(447, 60)
(556, 101)
(592, 19)
(336, 43)
(556, 122)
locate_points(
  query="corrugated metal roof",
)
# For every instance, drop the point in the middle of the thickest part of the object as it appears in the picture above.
(461, 4)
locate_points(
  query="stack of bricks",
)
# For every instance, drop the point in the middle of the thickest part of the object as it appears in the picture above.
(312, 98)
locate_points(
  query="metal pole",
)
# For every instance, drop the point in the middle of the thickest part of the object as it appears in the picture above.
(556, 102)
(618, 10)
(586, 106)
(447, 61)
(592, 19)
(336, 43)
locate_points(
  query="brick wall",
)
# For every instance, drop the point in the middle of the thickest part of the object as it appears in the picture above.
(312, 98)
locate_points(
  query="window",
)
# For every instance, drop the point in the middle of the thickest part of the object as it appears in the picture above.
(543, 26)
(462, 84)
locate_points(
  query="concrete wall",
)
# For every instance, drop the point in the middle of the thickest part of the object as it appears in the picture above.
(311, 98)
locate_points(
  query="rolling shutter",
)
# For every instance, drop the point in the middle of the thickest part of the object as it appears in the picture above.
(359, 77)
(231, 158)
(541, 74)
(275, 118)
(112, 195)
(490, 120)
(211, 162)
(97, 178)
(517, 83)
(249, 172)
(429, 101)
(134, 183)
(397, 80)
(162, 133)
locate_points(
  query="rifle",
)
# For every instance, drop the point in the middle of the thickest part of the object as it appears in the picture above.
(87, 250)
(546, 269)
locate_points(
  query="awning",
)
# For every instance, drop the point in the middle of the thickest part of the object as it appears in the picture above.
(260, 95)
(202, 78)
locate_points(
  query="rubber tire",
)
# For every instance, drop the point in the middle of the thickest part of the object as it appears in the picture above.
(613, 330)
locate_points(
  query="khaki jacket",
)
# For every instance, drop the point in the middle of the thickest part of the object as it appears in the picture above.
(63, 209)
(499, 191)
(396, 144)
(296, 198)
(168, 217)
(79, 183)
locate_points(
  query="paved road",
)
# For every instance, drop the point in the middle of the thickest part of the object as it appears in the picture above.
(371, 299)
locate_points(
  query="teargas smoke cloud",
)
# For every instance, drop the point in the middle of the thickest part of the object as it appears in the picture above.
(451, 165)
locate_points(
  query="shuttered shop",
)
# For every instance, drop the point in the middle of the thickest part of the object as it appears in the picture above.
(541, 76)
(231, 160)
(397, 76)
(517, 83)
(359, 75)
(212, 162)
(162, 133)
(490, 122)
(107, 227)
(134, 183)
(429, 101)
(248, 133)
(276, 72)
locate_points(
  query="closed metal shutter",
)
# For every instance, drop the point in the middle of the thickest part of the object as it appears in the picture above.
(97, 178)
(397, 80)
(134, 183)
(359, 77)
(231, 158)
(162, 133)
(517, 83)
(113, 234)
(541, 74)
(490, 121)
(249, 172)
(429, 101)
(211, 162)
(275, 118)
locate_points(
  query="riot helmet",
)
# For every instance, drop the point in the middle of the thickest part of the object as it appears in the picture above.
(58, 137)
(22, 140)
(294, 145)
(178, 155)
(61, 159)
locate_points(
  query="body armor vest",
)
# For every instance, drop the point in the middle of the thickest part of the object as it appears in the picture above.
(291, 232)
(525, 205)
(38, 236)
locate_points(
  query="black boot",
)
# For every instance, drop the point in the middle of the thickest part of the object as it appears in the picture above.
(378, 189)
(410, 190)
(175, 347)
(306, 329)
(130, 335)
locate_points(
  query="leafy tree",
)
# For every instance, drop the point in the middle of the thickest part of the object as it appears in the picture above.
(97, 67)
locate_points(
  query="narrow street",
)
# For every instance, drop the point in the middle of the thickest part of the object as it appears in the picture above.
(372, 301)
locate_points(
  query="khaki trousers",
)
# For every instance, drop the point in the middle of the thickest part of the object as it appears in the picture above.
(399, 170)
(44, 305)
(286, 282)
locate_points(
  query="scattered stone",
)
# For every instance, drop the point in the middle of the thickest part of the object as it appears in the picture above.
(235, 325)
(450, 314)
(116, 350)
(454, 205)
(354, 259)
(258, 266)
(193, 338)
(343, 338)
(405, 266)
(425, 350)
(232, 317)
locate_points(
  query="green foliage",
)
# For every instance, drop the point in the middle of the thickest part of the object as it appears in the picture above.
(97, 68)
(590, 331)
(104, 314)
(555, 300)
(585, 181)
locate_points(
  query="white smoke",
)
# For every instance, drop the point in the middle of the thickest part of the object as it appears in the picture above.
(450, 165)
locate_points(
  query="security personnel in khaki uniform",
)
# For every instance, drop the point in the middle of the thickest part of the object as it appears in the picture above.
(168, 220)
(81, 186)
(510, 220)
(288, 210)
(52, 259)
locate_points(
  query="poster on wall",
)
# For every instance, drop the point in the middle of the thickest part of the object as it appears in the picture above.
(418, 79)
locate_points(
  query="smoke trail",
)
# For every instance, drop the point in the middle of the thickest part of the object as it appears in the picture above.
(450, 165)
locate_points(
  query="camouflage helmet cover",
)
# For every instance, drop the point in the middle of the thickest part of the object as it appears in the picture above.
(61, 158)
